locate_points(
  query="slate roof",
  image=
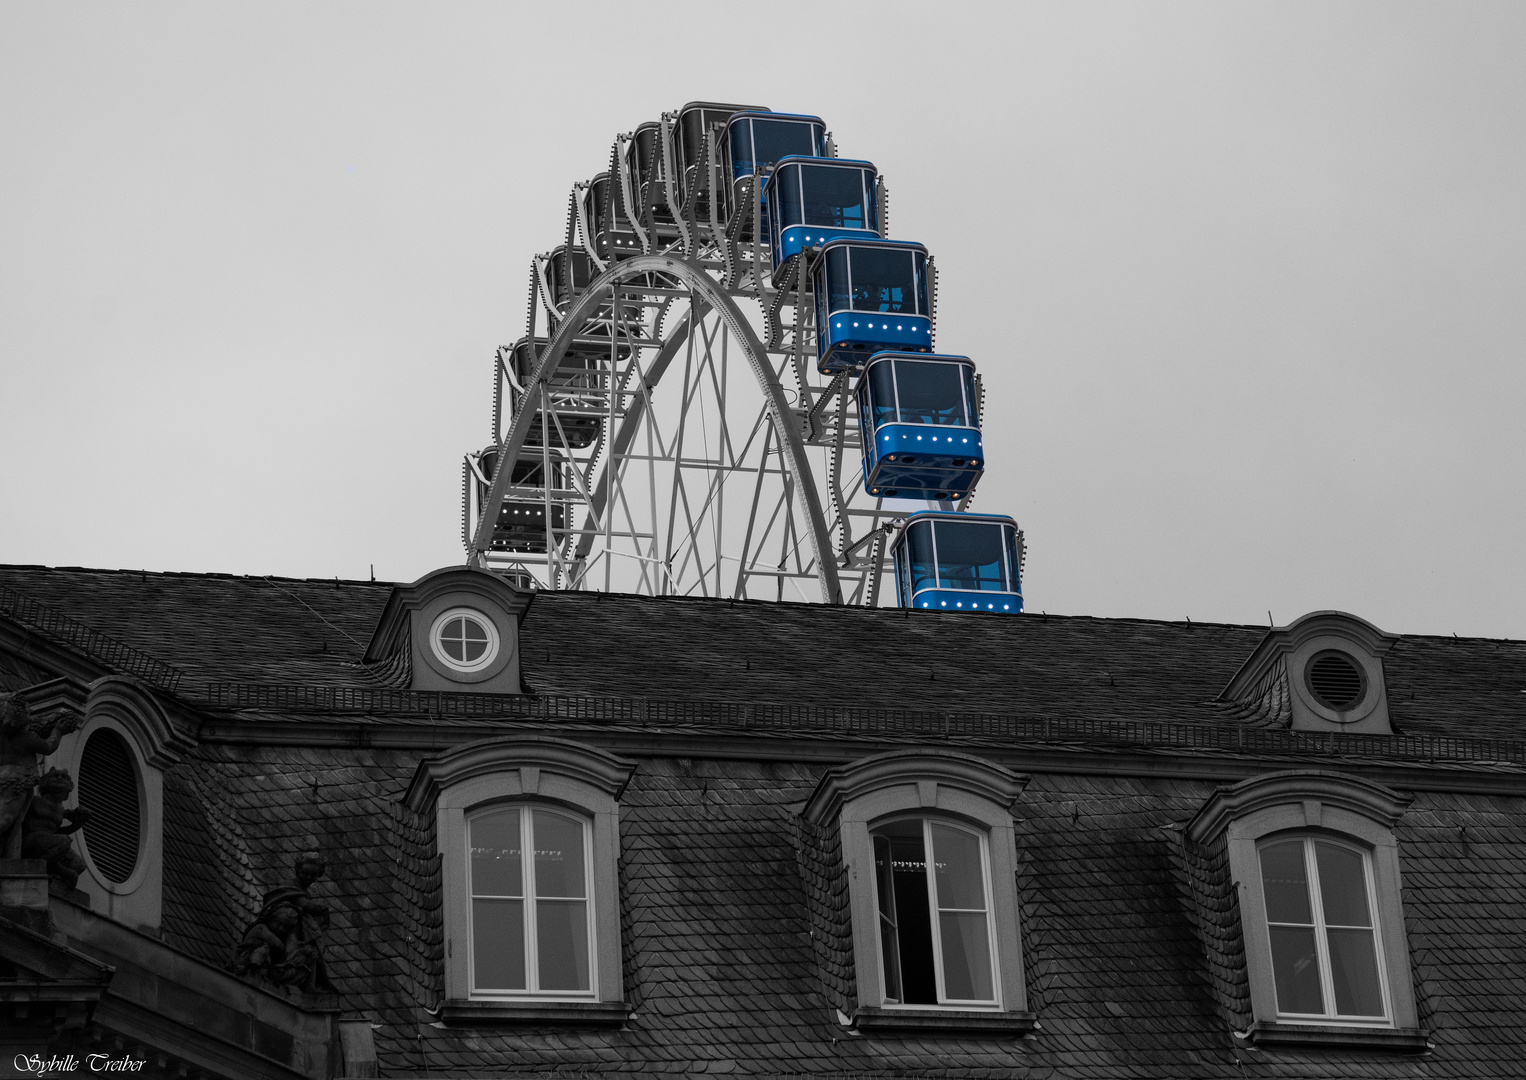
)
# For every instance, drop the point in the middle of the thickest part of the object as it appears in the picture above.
(737, 943)
(227, 629)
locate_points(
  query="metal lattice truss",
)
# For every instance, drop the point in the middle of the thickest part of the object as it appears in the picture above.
(670, 435)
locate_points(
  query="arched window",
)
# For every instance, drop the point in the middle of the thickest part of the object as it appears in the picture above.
(932, 886)
(928, 842)
(528, 832)
(1316, 868)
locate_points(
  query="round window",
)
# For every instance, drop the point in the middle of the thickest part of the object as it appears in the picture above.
(464, 640)
(1336, 681)
(108, 788)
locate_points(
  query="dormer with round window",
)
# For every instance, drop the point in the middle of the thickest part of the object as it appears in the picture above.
(1323, 672)
(455, 629)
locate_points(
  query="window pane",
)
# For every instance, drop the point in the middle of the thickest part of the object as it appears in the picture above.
(914, 935)
(919, 542)
(788, 202)
(774, 139)
(562, 943)
(498, 944)
(834, 197)
(1342, 885)
(741, 148)
(957, 868)
(496, 857)
(1296, 970)
(1014, 568)
(558, 856)
(450, 639)
(1354, 971)
(883, 281)
(882, 392)
(929, 393)
(890, 950)
(1286, 882)
(966, 956)
(836, 271)
(969, 555)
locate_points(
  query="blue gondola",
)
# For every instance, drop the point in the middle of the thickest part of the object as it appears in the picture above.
(959, 562)
(756, 141)
(812, 200)
(871, 295)
(921, 431)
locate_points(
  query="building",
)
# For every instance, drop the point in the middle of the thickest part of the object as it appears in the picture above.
(568, 834)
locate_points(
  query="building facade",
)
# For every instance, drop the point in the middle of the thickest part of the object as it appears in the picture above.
(453, 829)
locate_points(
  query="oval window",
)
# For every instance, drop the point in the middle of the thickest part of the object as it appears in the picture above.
(108, 788)
(1336, 681)
(464, 640)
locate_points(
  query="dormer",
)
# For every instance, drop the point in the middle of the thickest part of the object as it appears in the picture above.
(1323, 672)
(455, 629)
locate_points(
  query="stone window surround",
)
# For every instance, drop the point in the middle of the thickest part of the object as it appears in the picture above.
(1298, 803)
(527, 770)
(125, 707)
(929, 784)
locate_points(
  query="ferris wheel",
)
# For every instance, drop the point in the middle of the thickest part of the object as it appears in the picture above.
(680, 416)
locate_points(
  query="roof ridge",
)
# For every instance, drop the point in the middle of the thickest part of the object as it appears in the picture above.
(210, 574)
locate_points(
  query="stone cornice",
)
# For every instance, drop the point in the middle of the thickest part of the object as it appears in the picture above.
(1331, 789)
(962, 772)
(597, 768)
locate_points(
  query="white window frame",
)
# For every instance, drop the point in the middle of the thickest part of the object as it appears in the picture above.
(941, 786)
(531, 900)
(1320, 927)
(935, 910)
(1352, 812)
(490, 654)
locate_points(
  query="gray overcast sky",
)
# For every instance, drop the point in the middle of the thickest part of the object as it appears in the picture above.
(1246, 280)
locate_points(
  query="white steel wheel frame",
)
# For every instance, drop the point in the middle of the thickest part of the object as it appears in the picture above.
(652, 504)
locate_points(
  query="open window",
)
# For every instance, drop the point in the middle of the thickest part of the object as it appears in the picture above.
(929, 845)
(932, 891)
(1316, 867)
(528, 833)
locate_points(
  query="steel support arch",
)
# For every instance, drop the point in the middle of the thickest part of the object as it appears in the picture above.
(707, 291)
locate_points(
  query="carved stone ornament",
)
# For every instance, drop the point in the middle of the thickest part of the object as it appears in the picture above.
(44, 834)
(23, 740)
(284, 944)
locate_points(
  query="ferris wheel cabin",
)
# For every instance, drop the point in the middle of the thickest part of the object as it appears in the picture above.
(521, 521)
(756, 141)
(920, 424)
(696, 121)
(605, 234)
(946, 561)
(575, 420)
(871, 295)
(812, 200)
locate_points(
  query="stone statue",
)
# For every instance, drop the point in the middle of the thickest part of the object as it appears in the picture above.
(284, 943)
(44, 834)
(21, 741)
